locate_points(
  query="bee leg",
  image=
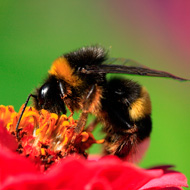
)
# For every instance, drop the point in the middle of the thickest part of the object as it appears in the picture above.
(92, 125)
(72, 112)
(82, 120)
(80, 125)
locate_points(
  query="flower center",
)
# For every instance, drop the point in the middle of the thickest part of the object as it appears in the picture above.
(45, 137)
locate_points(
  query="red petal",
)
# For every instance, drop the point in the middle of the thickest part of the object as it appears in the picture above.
(6, 139)
(12, 165)
(71, 173)
(107, 172)
(172, 188)
(168, 179)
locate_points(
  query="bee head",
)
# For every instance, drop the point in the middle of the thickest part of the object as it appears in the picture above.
(49, 96)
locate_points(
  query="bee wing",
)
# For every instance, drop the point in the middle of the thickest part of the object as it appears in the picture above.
(135, 69)
(123, 61)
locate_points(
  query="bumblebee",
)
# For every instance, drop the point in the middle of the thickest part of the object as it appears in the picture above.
(77, 81)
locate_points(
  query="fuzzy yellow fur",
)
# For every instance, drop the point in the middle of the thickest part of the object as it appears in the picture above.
(141, 107)
(62, 70)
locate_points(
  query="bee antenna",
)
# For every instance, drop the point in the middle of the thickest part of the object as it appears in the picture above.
(17, 125)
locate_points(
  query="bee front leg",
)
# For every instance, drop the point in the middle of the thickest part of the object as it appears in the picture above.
(81, 123)
(92, 125)
(80, 126)
(83, 118)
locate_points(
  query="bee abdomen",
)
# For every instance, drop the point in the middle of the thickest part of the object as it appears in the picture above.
(141, 107)
(127, 116)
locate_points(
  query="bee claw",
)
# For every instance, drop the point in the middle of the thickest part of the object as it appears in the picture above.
(73, 139)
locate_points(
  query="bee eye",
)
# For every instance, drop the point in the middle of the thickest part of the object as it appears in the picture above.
(44, 93)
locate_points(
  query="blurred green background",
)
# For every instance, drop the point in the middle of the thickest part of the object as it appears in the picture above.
(155, 33)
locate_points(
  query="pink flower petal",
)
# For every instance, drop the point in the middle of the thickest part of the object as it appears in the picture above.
(72, 173)
(7, 140)
(12, 165)
(168, 179)
(107, 173)
(172, 188)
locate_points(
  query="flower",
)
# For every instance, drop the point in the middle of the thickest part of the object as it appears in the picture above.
(21, 166)
(43, 137)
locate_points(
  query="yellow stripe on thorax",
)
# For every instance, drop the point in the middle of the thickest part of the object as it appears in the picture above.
(62, 70)
(141, 107)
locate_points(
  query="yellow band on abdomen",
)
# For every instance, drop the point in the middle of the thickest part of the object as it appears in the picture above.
(141, 107)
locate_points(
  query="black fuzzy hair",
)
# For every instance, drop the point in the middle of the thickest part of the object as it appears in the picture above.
(91, 55)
